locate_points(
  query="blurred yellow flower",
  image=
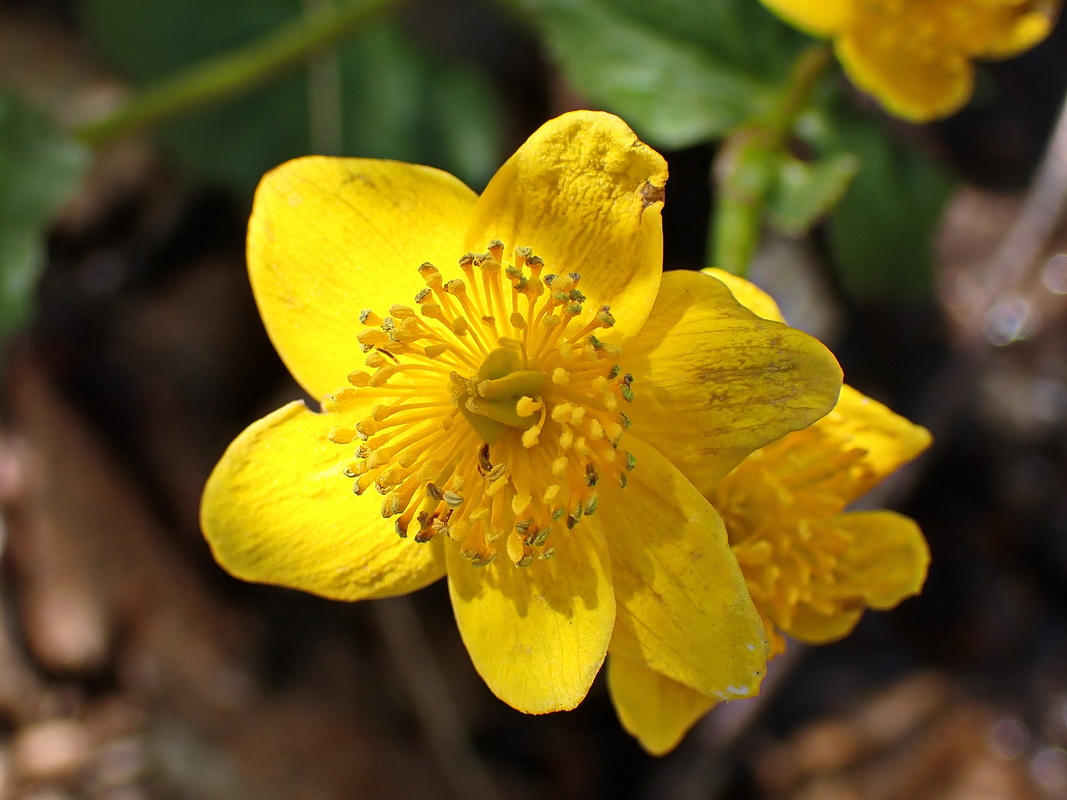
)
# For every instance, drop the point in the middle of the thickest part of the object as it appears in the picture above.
(915, 56)
(811, 567)
(551, 372)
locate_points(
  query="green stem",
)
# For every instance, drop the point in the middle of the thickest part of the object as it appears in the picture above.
(807, 70)
(232, 73)
(744, 169)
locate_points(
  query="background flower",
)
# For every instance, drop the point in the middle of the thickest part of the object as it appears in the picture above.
(811, 566)
(915, 56)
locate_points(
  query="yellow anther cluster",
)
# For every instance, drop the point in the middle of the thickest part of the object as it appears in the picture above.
(783, 533)
(499, 407)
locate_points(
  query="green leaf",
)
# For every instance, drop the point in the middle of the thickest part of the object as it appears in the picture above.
(397, 101)
(680, 71)
(881, 233)
(803, 192)
(39, 170)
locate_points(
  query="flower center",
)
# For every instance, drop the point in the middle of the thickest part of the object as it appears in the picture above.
(497, 408)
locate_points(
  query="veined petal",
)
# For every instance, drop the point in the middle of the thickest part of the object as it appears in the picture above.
(537, 635)
(889, 559)
(915, 85)
(585, 194)
(683, 608)
(748, 294)
(329, 237)
(278, 510)
(713, 382)
(818, 17)
(652, 708)
(888, 441)
(856, 423)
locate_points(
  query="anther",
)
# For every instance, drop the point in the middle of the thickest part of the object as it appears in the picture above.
(591, 476)
(368, 317)
(431, 275)
(484, 464)
(342, 435)
(372, 337)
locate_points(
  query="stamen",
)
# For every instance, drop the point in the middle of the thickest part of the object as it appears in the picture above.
(494, 434)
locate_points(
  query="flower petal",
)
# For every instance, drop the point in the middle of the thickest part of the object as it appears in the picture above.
(820, 18)
(652, 708)
(812, 627)
(278, 510)
(886, 564)
(683, 608)
(882, 60)
(748, 294)
(1009, 27)
(713, 381)
(888, 440)
(585, 194)
(330, 237)
(537, 635)
(889, 560)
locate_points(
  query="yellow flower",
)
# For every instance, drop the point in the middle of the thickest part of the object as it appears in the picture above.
(503, 404)
(915, 56)
(811, 567)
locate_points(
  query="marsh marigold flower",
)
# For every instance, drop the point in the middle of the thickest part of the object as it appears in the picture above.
(915, 56)
(811, 566)
(513, 395)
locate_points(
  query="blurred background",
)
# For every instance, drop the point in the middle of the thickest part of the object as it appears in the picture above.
(133, 668)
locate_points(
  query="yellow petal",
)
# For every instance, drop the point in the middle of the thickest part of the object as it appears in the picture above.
(537, 635)
(812, 627)
(277, 509)
(585, 194)
(652, 708)
(818, 17)
(683, 607)
(888, 561)
(1008, 27)
(713, 382)
(888, 440)
(748, 294)
(915, 85)
(330, 237)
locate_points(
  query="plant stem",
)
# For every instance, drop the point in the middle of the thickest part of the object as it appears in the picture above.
(218, 78)
(744, 169)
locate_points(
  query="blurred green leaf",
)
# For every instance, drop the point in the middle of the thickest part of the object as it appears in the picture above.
(803, 192)
(397, 101)
(39, 170)
(680, 71)
(881, 233)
